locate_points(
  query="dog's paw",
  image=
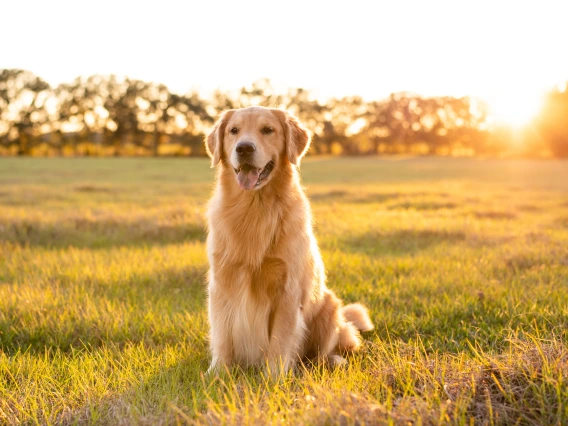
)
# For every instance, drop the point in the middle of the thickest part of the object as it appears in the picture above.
(278, 368)
(213, 369)
(336, 361)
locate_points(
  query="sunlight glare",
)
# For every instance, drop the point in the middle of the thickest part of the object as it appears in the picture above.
(515, 109)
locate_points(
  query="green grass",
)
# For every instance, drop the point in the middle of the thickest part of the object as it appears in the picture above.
(463, 263)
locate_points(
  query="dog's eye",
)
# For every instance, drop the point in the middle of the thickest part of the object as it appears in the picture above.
(234, 130)
(266, 130)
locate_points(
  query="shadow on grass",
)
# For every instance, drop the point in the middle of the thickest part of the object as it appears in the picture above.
(352, 197)
(93, 188)
(96, 234)
(152, 309)
(162, 397)
(422, 205)
(399, 242)
(355, 197)
(562, 221)
(495, 214)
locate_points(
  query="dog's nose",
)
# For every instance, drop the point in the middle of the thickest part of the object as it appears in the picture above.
(244, 149)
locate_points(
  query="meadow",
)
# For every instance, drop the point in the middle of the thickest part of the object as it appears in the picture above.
(462, 262)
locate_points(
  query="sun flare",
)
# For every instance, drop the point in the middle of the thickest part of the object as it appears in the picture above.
(515, 109)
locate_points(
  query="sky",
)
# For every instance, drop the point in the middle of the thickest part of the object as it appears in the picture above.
(506, 52)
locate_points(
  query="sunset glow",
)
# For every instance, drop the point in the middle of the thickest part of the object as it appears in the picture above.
(371, 49)
(429, 77)
(516, 109)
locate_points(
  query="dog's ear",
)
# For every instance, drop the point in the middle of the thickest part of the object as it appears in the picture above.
(297, 138)
(214, 141)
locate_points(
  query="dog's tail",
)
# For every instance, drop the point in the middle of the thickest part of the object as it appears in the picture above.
(358, 315)
(356, 319)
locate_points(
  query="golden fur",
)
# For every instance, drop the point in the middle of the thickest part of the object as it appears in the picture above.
(268, 301)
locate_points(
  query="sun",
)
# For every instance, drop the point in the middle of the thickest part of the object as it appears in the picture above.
(515, 109)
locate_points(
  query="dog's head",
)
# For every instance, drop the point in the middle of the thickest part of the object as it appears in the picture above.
(254, 141)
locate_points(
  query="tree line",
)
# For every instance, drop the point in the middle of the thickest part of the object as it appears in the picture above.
(113, 116)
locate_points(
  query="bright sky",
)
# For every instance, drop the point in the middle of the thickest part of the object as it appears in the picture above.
(507, 52)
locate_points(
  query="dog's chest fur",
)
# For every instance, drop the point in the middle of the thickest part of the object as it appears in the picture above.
(247, 298)
(250, 327)
(248, 277)
(246, 229)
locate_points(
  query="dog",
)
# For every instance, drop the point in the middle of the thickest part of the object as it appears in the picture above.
(268, 303)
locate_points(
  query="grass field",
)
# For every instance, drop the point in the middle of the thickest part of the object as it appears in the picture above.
(463, 263)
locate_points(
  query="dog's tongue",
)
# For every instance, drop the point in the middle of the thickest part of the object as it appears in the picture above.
(248, 177)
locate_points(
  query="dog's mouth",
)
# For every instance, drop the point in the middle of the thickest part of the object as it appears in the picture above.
(249, 176)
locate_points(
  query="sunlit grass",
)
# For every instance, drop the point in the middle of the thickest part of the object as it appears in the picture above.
(463, 264)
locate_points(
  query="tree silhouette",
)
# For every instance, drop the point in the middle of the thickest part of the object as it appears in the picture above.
(110, 115)
(23, 109)
(553, 121)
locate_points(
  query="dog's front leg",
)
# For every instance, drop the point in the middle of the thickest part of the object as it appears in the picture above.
(221, 340)
(286, 337)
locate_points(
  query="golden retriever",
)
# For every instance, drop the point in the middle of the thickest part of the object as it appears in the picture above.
(268, 301)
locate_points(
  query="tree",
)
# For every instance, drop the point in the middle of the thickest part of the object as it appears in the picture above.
(261, 93)
(23, 99)
(105, 114)
(552, 124)
(199, 120)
